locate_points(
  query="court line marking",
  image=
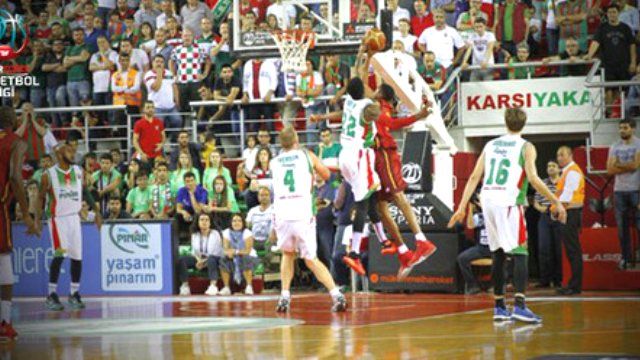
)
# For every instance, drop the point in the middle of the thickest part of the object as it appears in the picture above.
(583, 298)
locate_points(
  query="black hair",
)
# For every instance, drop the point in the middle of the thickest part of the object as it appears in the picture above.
(387, 92)
(188, 174)
(106, 156)
(355, 88)
(629, 121)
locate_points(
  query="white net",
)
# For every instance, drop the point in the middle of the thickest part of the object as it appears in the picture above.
(293, 46)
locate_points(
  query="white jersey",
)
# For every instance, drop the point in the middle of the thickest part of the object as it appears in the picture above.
(65, 197)
(505, 181)
(356, 134)
(292, 175)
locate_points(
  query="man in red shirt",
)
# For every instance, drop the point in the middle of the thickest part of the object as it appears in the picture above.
(12, 152)
(389, 168)
(422, 19)
(148, 134)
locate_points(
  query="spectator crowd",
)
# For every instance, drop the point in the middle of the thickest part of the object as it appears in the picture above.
(155, 56)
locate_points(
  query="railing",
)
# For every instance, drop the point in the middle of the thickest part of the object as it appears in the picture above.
(242, 122)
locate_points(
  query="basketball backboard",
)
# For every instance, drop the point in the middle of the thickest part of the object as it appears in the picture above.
(339, 25)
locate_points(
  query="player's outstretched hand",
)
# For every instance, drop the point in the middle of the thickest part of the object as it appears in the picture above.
(457, 217)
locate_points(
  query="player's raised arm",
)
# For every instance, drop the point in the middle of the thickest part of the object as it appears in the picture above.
(319, 167)
(530, 155)
(336, 115)
(476, 175)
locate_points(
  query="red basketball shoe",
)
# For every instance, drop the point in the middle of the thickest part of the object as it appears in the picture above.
(352, 260)
(7, 332)
(405, 264)
(388, 248)
(424, 249)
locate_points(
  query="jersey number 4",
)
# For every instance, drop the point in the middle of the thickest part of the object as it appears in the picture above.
(501, 174)
(289, 180)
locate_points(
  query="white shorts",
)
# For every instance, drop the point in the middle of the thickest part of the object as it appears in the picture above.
(506, 227)
(358, 169)
(66, 236)
(6, 270)
(297, 235)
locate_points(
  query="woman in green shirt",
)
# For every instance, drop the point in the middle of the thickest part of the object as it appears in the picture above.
(214, 170)
(222, 201)
(177, 176)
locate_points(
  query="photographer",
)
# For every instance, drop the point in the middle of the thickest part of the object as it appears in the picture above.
(475, 220)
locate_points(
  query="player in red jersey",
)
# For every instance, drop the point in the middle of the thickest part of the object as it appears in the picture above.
(389, 168)
(12, 152)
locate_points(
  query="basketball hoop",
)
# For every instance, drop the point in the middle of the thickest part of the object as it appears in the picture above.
(293, 45)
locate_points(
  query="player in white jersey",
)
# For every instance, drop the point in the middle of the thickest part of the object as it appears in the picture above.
(357, 163)
(294, 215)
(62, 188)
(510, 163)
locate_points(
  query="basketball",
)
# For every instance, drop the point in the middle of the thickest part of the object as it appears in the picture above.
(375, 40)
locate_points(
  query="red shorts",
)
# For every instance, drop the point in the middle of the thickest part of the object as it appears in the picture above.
(389, 168)
(6, 244)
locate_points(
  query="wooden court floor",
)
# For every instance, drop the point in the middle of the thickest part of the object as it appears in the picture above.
(376, 326)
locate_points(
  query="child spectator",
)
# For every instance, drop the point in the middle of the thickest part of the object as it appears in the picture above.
(184, 166)
(239, 259)
(139, 198)
(248, 161)
(46, 161)
(206, 252)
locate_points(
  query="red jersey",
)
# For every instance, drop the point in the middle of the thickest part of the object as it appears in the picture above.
(149, 135)
(385, 124)
(7, 138)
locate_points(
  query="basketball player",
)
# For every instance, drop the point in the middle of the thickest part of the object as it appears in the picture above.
(63, 189)
(389, 168)
(12, 152)
(294, 215)
(357, 161)
(510, 161)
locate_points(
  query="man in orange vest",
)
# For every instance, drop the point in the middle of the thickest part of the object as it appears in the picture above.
(570, 191)
(125, 85)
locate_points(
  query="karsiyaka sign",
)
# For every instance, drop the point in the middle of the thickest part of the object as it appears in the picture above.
(549, 100)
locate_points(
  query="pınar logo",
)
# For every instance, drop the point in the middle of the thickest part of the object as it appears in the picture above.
(14, 35)
(128, 237)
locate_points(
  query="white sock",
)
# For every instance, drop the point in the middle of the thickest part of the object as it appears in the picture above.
(335, 292)
(74, 288)
(402, 249)
(355, 242)
(420, 236)
(5, 311)
(286, 294)
(379, 229)
(53, 288)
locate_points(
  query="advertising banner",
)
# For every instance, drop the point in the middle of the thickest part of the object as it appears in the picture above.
(438, 274)
(546, 100)
(124, 258)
